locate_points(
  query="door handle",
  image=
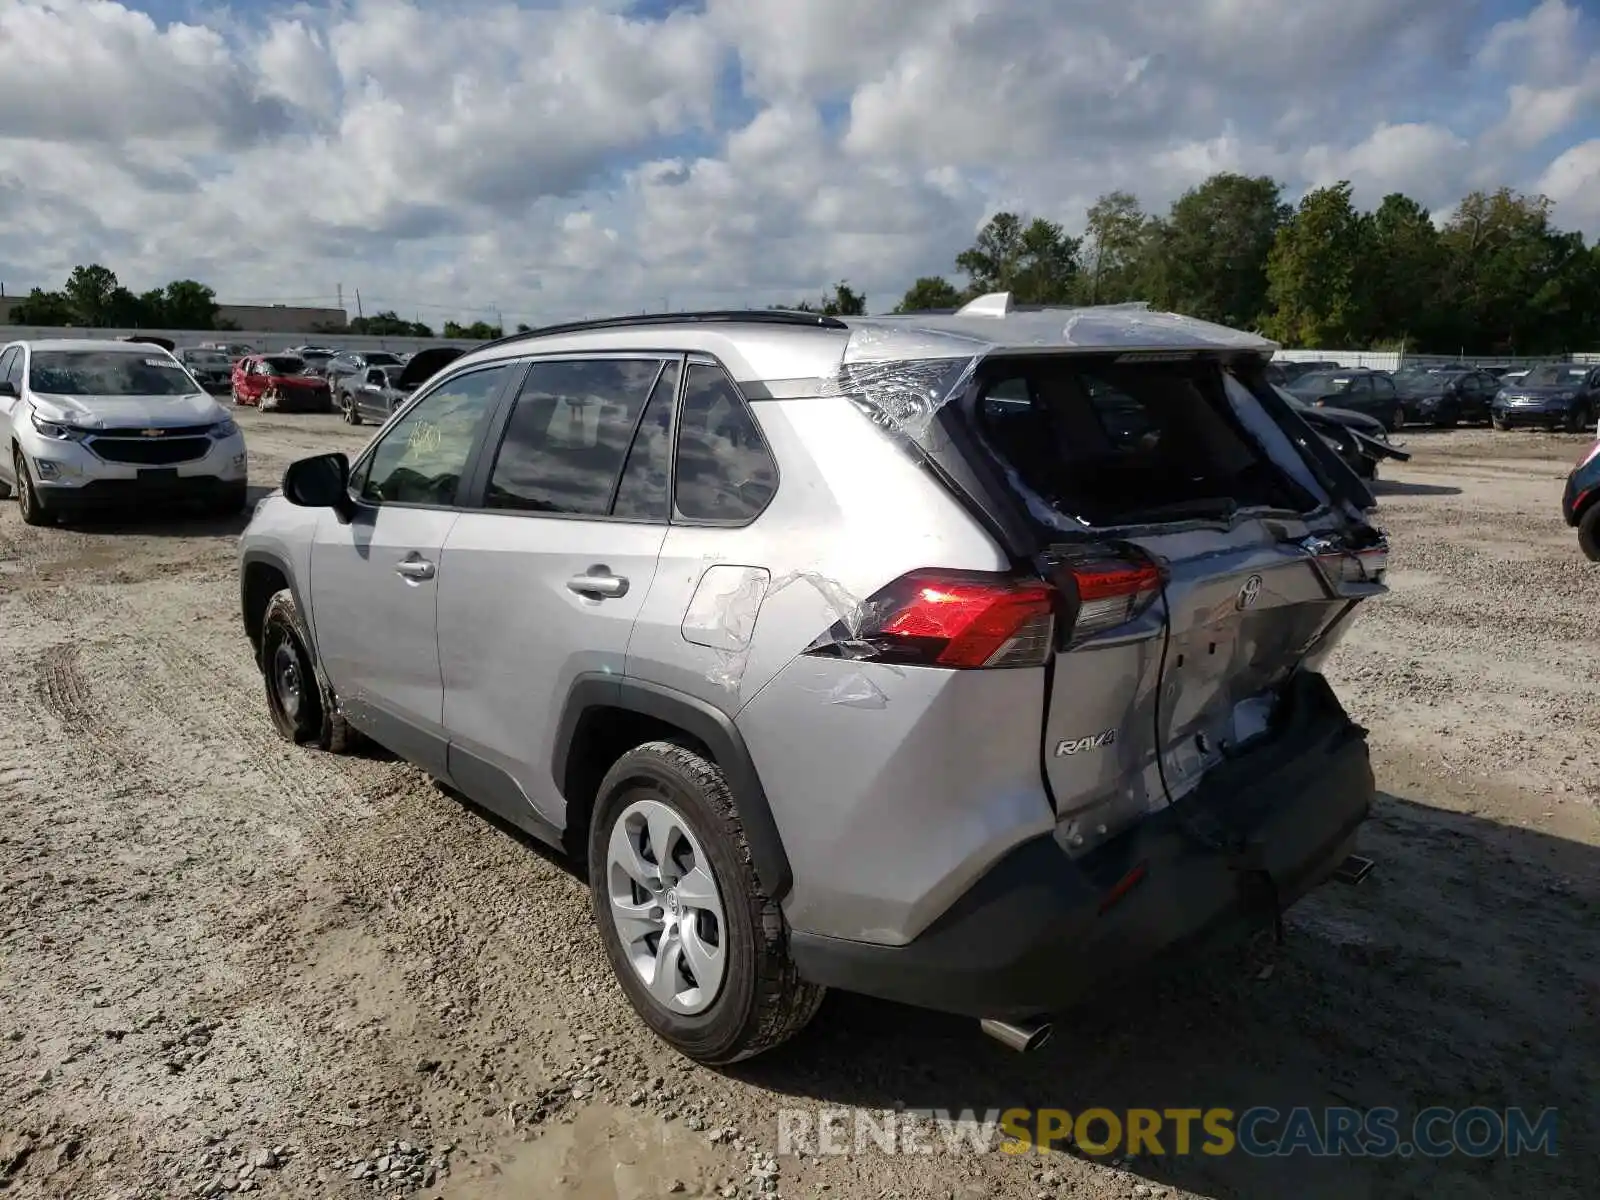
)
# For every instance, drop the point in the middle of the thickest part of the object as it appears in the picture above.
(598, 584)
(414, 569)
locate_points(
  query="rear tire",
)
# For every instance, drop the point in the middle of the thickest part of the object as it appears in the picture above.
(30, 506)
(758, 1000)
(1397, 420)
(1589, 533)
(1578, 419)
(302, 710)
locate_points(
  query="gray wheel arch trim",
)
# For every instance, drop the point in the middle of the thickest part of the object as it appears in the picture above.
(281, 565)
(711, 726)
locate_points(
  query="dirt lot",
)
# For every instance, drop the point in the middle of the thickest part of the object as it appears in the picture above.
(226, 964)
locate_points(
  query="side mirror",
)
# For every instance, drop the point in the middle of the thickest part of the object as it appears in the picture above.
(320, 482)
(7, 388)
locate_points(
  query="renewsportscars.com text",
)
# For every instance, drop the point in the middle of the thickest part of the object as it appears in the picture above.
(1261, 1132)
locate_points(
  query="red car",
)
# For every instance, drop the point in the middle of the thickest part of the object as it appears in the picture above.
(279, 381)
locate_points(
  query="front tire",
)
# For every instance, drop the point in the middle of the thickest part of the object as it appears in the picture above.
(1578, 419)
(30, 506)
(1498, 423)
(302, 711)
(347, 404)
(700, 951)
(1589, 533)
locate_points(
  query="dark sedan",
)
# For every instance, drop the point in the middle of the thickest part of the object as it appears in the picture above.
(1360, 440)
(1443, 396)
(1555, 395)
(1580, 502)
(1356, 389)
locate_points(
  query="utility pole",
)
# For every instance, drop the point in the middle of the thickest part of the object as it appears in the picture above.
(339, 288)
(360, 316)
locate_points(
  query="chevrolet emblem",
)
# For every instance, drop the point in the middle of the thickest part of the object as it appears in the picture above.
(152, 432)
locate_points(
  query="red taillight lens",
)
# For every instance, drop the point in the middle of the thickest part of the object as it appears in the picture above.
(1109, 591)
(958, 619)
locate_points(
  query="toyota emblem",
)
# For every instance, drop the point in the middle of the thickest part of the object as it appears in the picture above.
(1250, 592)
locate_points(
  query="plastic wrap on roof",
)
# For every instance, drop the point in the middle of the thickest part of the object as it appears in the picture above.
(907, 368)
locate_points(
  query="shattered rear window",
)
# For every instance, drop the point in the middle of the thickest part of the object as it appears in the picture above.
(1098, 443)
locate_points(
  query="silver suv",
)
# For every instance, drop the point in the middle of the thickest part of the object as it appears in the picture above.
(965, 660)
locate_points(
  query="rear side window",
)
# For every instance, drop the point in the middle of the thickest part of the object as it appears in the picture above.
(568, 435)
(1111, 444)
(725, 472)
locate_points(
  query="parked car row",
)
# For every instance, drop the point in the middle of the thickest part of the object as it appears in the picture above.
(1554, 395)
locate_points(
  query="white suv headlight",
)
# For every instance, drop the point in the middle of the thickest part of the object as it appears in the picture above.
(57, 430)
(224, 428)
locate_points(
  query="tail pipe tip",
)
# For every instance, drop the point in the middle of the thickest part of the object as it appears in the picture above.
(1019, 1036)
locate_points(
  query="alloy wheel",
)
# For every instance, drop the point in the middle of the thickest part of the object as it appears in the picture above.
(666, 907)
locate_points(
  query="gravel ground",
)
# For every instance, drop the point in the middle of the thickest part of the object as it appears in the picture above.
(227, 965)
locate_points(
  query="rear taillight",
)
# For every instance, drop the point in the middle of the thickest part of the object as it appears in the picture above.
(956, 619)
(1106, 592)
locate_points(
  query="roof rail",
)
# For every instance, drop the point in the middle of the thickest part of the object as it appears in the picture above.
(758, 316)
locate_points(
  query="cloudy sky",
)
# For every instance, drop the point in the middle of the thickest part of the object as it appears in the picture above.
(554, 159)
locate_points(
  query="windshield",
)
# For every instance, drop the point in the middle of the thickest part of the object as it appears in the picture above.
(382, 358)
(1319, 383)
(283, 364)
(1419, 382)
(107, 373)
(1554, 375)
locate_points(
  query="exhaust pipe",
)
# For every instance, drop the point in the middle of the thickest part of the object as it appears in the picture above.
(1021, 1037)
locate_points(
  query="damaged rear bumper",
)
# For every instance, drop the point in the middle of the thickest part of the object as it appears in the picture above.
(1040, 931)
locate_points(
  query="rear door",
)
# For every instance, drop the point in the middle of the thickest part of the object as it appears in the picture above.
(543, 578)
(1181, 530)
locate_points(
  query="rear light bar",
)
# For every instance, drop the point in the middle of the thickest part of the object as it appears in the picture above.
(958, 619)
(971, 619)
(1342, 565)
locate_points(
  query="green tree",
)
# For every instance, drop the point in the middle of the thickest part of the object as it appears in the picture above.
(1210, 254)
(1402, 274)
(390, 324)
(92, 292)
(929, 293)
(480, 331)
(523, 328)
(188, 304)
(1314, 272)
(1500, 252)
(842, 301)
(1037, 262)
(40, 307)
(1115, 247)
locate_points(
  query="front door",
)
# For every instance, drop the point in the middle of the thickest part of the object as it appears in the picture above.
(374, 581)
(543, 581)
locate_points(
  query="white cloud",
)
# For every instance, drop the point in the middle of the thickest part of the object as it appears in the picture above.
(456, 157)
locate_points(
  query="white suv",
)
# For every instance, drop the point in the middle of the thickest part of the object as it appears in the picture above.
(98, 424)
(968, 660)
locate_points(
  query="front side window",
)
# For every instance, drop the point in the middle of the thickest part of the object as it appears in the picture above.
(565, 443)
(8, 360)
(108, 373)
(421, 457)
(724, 471)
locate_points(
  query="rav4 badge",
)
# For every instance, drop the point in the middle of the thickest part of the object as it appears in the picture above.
(1071, 746)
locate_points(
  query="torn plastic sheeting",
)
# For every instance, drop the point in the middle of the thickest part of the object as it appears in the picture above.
(855, 690)
(738, 609)
(907, 369)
